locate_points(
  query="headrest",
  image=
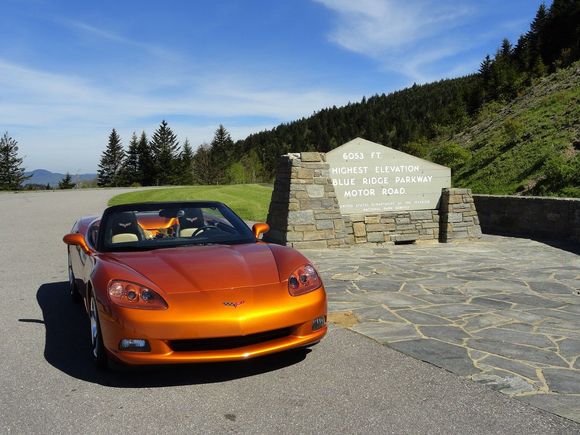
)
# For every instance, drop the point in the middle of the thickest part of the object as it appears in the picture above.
(192, 218)
(125, 222)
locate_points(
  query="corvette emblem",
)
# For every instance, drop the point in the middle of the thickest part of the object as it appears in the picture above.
(234, 304)
(124, 225)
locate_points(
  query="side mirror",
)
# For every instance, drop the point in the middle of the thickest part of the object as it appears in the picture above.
(260, 228)
(77, 239)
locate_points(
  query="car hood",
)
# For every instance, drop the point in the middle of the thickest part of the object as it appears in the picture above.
(203, 268)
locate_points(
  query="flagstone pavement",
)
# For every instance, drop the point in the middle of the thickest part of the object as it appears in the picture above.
(501, 311)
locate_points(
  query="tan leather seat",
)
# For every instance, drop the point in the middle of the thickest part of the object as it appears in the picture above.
(125, 238)
(187, 232)
(125, 228)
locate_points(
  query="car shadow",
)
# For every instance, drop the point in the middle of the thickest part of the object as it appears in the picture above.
(67, 348)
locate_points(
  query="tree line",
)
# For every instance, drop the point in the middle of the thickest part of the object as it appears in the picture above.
(162, 161)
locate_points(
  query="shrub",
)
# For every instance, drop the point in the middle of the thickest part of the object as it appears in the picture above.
(451, 154)
(513, 130)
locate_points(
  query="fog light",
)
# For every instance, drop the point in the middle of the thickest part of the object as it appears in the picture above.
(318, 323)
(134, 344)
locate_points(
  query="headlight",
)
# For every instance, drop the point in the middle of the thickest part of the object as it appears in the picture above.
(303, 280)
(131, 295)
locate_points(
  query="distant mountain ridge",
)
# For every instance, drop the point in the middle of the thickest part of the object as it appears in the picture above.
(43, 176)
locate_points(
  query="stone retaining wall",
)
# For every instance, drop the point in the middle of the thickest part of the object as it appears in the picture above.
(533, 217)
(304, 212)
(456, 220)
(393, 227)
(459, 219)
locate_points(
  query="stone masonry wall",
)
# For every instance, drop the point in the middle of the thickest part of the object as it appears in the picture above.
(304, 212)
(459, 219)
(392, 227)
(528, 216)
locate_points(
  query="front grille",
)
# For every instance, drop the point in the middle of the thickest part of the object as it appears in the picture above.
(201, 344)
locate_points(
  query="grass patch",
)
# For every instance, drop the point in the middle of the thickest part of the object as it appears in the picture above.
(249, 201)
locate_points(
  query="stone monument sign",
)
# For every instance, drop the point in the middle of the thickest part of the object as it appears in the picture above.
(371, 178)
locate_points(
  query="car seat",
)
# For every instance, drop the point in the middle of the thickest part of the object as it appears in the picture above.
(125, 228)
(190, 222)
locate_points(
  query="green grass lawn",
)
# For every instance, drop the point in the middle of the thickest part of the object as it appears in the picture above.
(249, 201)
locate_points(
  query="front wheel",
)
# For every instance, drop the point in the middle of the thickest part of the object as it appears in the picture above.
(98, 348)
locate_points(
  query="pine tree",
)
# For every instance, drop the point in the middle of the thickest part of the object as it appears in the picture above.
(202, 165)
(534, 43)
(165, 149)
(66, 182)
(11, 170)
(485, 69)
(506, 49)
(539, 21)
(221, 150)
(131, 172)
(111, 163)
(146, 161)
(186, 164)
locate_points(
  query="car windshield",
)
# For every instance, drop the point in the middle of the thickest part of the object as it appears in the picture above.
(148, 226)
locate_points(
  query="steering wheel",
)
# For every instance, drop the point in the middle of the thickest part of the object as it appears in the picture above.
(203, 229)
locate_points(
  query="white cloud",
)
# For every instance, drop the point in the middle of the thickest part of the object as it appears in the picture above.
(62, 121)
(404, 36)
(36, 98)
(106, 34)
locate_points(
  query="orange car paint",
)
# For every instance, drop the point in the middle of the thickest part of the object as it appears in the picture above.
(211, 292)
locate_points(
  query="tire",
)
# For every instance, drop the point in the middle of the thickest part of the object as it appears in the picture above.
(72, 286)
(98, 351)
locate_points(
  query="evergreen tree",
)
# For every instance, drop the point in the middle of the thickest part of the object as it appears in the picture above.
(506, 49)
(202, 165)
(221, 151)
(534, 41)
(539, 22)
(131, 172)
(145, 161)
(486, 75)
(165, 150)
(11, 170)
(186, 164)
(111, 163)
(66, 182)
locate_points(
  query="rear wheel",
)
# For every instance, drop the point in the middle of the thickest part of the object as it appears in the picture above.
(98, 348)
(72, 285)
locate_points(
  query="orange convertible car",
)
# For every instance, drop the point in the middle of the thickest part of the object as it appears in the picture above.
(183, 282)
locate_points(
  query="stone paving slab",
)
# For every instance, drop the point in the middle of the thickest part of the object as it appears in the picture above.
(504, 312)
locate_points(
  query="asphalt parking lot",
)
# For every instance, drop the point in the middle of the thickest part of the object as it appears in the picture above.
(347, 384)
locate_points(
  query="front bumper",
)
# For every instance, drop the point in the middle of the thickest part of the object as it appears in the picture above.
(290, 321)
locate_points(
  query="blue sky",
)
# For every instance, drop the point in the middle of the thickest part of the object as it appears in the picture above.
(72, 70)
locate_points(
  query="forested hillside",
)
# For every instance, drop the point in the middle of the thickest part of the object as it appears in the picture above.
(529, 146)
(404, 120)
(414, 119)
